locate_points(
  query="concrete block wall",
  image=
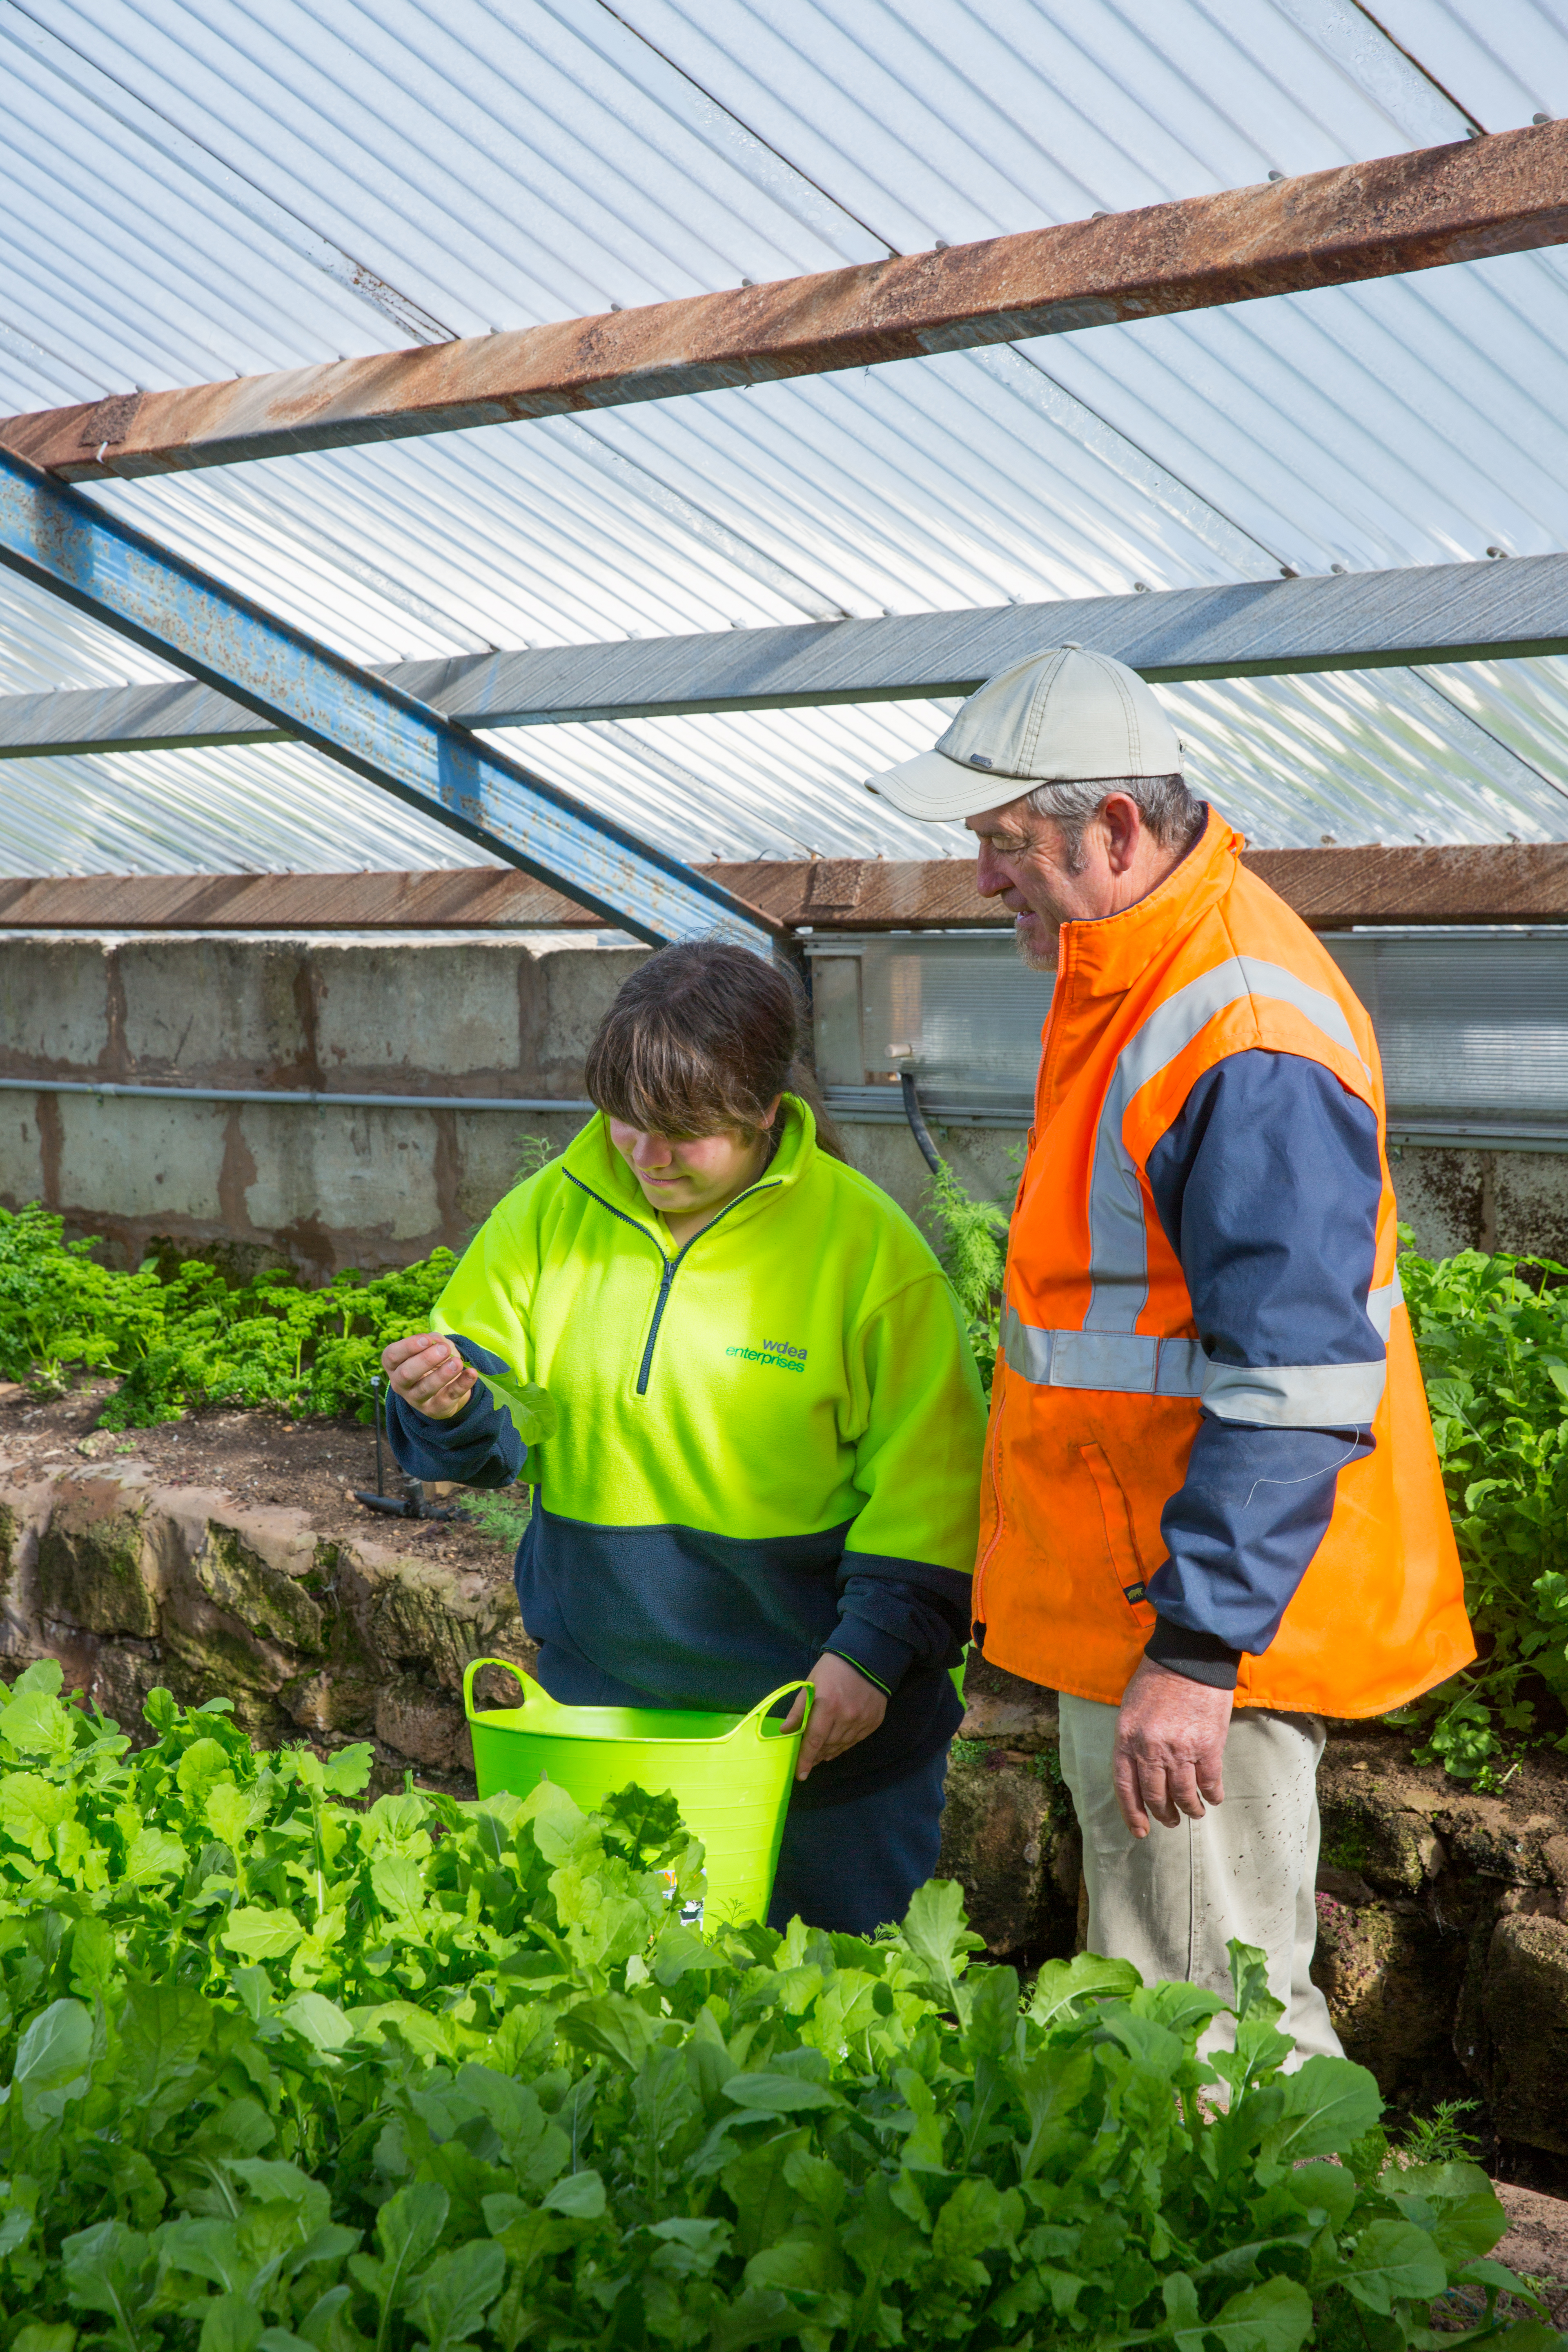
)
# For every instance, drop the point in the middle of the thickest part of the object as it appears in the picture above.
(1483, 1200)
(485, 1014)
(494, 1015)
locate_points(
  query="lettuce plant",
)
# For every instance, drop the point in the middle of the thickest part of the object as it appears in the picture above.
(290, 2071)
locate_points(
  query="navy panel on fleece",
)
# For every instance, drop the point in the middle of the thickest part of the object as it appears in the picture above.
(1268, 1186)
(679, 1617)
(857, 1866)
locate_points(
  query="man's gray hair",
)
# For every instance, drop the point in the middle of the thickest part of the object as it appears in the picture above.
(1174, 816)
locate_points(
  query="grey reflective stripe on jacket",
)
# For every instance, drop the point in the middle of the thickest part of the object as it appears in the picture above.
(1279, 1396)
(1122, 1361)
(1381, 1304)
(1119, 1241)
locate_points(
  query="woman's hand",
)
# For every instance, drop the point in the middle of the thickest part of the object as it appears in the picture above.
(845, 1709)
(428, 1373)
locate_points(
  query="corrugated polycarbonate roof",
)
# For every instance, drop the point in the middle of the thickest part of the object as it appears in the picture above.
(208, 187)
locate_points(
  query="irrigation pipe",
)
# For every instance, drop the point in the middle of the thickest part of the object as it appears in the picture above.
(316, 1101)
(916, 1117)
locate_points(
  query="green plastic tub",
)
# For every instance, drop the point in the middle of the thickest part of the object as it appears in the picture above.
(730, 1774)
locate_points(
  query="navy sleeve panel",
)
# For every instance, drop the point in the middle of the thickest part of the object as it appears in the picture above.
(477, 1447)
(1241, 1532)
(891, 1623)
(1268, 1186)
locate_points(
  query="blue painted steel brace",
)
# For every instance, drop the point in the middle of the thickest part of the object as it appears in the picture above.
(67, 543)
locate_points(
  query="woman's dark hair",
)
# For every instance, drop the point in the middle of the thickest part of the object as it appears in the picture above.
(701, 1038)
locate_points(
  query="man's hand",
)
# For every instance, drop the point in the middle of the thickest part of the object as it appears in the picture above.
(845, 1707)
(428, 1373)
(1169, 1747)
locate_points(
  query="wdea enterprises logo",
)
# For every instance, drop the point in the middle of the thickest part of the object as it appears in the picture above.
(776, 1352)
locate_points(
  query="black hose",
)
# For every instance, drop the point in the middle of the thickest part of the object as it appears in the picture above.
(916, 1118)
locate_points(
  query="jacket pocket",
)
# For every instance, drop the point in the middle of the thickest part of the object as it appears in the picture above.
(1121, 1545)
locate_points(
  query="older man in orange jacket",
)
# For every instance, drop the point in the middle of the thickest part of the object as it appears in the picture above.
(1212, 1512)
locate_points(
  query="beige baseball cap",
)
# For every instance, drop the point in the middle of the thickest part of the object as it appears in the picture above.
(1065, 715)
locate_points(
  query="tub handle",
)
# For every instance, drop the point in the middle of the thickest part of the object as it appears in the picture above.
(757, 1718)
(533, 1693)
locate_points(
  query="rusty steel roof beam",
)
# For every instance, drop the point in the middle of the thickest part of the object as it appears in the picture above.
(1332, 890)
(1504, 193)
(1369, 620)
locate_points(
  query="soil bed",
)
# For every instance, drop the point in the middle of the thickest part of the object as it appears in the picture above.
(259, 1458)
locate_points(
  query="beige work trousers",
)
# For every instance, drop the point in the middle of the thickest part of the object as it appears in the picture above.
(1170, 1902)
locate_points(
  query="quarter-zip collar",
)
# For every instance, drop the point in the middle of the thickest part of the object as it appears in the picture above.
(604, 1174)
(593, 1162)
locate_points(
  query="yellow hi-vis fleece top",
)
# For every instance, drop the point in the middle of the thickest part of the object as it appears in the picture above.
(767, 1443)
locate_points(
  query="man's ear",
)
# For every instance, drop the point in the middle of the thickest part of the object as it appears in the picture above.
(1123, 822)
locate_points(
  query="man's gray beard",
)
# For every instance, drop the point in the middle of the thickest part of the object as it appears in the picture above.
(1036, 960)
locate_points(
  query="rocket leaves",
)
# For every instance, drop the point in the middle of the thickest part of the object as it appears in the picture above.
(286, 2071)
(1492, 1334)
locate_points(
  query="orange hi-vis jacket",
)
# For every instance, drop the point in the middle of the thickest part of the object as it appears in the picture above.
(1101, 1378)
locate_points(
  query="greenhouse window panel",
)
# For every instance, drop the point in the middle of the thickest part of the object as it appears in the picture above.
(1471, 1025)
(63, 542)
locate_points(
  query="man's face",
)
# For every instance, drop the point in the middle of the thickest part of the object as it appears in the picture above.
(1023, 862)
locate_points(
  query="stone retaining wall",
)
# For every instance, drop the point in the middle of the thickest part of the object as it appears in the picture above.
(1443, 1916)
(129, 1584)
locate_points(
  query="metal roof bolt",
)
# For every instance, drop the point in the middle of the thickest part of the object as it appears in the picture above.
(1543, 118)
(1342, 568)
(1140, 587)
(1474, 130)
(1276, 176)
(748, 281)
(1497, 552)
(943, 244)
(1100, 216)
(618, 306)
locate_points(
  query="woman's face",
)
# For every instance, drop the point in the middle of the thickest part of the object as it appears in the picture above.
(695, 1176)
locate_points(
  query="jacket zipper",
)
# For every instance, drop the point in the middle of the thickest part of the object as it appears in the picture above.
(664, 1281)
(667, 1278)
(993, 1449)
